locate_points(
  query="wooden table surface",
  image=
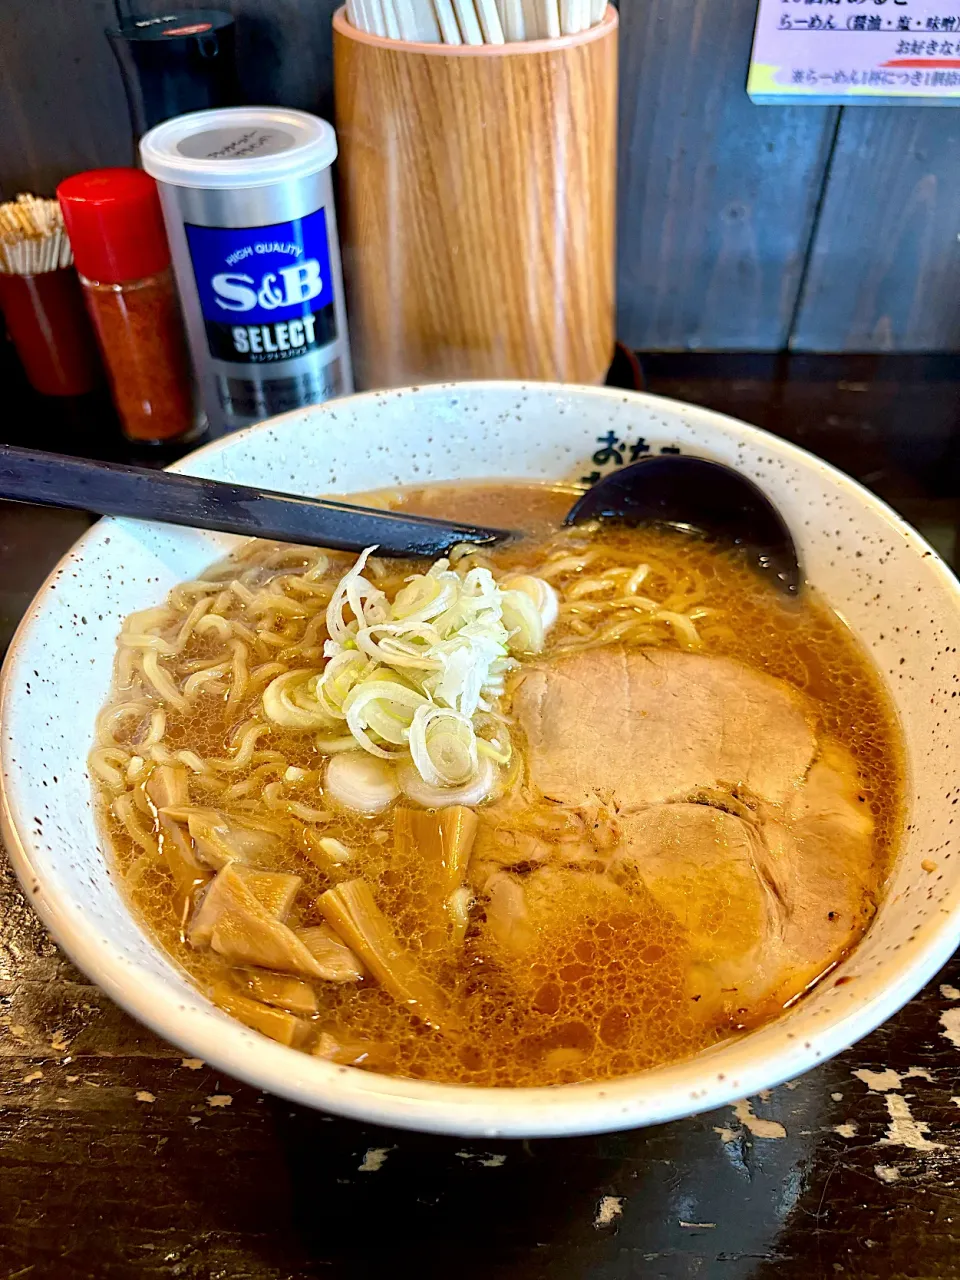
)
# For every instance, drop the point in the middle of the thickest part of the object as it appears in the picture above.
(119, 1158)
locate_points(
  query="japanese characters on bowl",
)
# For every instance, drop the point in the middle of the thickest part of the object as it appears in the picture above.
(615, 452)
(474, 22)
(872, 51)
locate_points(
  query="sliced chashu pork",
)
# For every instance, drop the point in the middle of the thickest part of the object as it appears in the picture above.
(768, 904)
(770, 894)
(650, 725)
(766, 907)
(823, 863)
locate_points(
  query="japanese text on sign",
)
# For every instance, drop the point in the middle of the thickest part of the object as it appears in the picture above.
(856, 50)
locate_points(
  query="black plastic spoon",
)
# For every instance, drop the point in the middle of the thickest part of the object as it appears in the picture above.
(54, 480)
(702, 497)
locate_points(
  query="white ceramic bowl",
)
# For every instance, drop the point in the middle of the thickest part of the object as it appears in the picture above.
(890, 586)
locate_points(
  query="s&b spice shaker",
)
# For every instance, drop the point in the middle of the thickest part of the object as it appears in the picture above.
(248, 203)
(120, 249)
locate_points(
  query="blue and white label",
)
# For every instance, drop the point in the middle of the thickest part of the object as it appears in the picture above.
(266, 293)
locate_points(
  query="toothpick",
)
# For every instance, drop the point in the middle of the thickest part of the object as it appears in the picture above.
(32, 238)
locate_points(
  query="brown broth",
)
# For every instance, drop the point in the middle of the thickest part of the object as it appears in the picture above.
(609, 994)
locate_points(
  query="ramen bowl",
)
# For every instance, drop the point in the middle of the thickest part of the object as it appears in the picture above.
(879, 574)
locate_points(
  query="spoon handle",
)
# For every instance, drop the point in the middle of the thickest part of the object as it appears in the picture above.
(55, 480)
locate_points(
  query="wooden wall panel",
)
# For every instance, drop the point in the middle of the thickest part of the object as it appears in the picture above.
(717, 196)
(62, 106)
(284, 48)
(885, 266)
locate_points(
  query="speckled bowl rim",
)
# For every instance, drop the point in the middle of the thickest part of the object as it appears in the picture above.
(655, 1096)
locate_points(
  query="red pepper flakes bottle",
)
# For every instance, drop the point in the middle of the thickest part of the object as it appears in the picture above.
(120, 249)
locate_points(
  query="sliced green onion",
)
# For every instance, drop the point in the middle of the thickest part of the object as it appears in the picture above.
(522, 619)
(443, 746)
(540, 592)
(367, 602)
(425, 596)
(478, 789)
(411, 675)
(291, 702)
(499, 750)
(358, 782)
(372, 704)
(339, 677)
(399, 645)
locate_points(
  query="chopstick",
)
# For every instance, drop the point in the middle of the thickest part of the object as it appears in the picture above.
(391, 20)
(374, 11)
(511, 16)
(53, 480)
(449, 31)
(549, 20)
(531, 19)
(417, 21)
(474, 22)
(490, 22)
(469, 25)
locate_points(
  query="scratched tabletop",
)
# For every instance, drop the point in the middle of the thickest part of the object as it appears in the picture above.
(119, 1157)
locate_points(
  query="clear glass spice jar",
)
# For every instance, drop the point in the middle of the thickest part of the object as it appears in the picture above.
(120, 249)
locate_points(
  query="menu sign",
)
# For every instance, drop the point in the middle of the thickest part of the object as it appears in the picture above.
(848, 51)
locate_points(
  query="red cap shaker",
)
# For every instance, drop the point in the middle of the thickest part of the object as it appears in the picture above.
(115, 225)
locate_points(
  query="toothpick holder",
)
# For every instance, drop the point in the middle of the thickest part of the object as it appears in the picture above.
(477, 206)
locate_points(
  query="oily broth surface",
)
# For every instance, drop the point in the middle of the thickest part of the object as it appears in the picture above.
(607, 998)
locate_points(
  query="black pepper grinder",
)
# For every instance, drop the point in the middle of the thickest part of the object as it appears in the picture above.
(174, 64)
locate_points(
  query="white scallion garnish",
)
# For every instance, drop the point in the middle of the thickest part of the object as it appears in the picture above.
(408, 677)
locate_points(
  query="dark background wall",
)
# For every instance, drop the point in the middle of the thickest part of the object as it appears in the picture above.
(741, 227)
